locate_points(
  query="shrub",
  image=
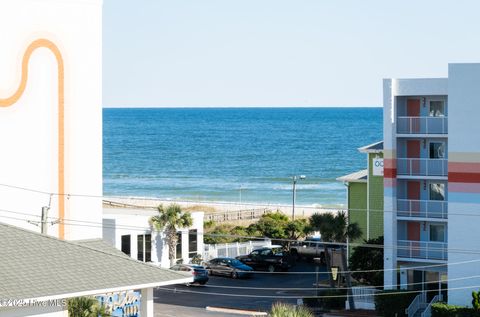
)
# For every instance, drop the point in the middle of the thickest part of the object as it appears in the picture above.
(86, 307)
(372, 258)
(392, 303)
(328, 299)
(286, 310)
(476, 300)
(196, 259)
(445, 310)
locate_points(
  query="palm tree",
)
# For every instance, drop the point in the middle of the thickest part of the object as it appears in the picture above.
(169, 220)
(86, 307)
(335, 228)
(287, 310)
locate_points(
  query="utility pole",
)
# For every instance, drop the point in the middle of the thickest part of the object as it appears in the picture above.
(293, 196)
(294, 192)
(43, 223)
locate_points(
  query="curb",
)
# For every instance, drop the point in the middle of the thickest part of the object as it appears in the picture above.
(236, 311)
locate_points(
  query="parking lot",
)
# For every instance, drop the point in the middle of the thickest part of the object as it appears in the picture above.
(256, 293)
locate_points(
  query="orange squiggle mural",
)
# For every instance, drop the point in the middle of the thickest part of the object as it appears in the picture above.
(7, 102)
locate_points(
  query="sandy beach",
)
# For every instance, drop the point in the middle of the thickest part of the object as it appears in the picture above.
(214, 207)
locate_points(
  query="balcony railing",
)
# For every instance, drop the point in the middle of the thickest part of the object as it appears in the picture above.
(426, 250)
(422, 208)
(422, 125)
(422, 167)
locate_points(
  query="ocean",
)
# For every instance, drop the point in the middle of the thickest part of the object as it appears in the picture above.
(246, 155)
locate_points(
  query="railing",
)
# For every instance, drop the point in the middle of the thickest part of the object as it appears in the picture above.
(234, 249)
(364, 297)
(416, 304)
(428, 311)
(422, 167)
(427, 250)
(422, 125)
(422, 208)
(250, 214)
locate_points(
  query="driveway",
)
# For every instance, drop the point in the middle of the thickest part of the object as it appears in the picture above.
(181, 300)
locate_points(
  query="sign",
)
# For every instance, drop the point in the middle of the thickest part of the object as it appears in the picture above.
(334, 272)
(377, 167)
(122, 304)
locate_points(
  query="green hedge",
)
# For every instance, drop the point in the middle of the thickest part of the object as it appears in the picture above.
(337, 301)
(392, 303)
(445, 310)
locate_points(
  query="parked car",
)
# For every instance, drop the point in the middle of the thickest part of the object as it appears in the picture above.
(228, 267)
(267, 258)
(200, 274)
(308, 249)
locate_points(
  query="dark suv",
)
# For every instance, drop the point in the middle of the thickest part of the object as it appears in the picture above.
(270, 259)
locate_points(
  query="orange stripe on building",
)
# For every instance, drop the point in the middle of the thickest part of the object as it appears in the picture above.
(390, 173)
(459, 167)
(389, 163)
(7, 102)
(456, 177)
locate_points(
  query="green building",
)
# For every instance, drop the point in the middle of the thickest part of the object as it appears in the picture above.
(365, 193)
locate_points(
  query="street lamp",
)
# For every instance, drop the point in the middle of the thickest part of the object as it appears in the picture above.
(295, 179)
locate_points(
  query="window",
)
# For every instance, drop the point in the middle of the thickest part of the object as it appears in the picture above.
(437, 150)
(437, 109)
(140, 247)
(437, 233)
(144, 247)
(179, 245)
(437, 191)
(266, 252)
(126, 244)
(148, 248)
(192, 242)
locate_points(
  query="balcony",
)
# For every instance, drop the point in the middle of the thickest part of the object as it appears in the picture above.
(436, 209)
(424, 250)
(422, 125)
(422, 167)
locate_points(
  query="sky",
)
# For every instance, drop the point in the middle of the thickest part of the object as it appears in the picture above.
(275, 53)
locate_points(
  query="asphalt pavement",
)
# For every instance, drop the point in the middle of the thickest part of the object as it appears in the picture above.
(258, 292)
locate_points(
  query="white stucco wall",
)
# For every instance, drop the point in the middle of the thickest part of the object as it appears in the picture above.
(29, 128)
(134, 222)
(389, 218)
(463, 205)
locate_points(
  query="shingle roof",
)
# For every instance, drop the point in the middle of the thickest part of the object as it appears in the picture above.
(37, 266)
(100, 245)
(357, 177)
(376, 147)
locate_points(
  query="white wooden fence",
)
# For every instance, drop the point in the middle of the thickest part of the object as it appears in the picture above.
(364, 297)
(250, 214)
(234, 249)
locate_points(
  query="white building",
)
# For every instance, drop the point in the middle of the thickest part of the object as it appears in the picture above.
(128, 230)
(51, 127)
(432, 183)
(51, 113)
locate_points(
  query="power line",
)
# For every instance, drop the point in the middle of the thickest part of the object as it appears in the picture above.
(175, 290)
(224, 203)
(84, 223)
(342, 288)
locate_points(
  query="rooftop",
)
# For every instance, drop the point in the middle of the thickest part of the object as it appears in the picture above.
(36, 266)
(357, 177)
(376, 147)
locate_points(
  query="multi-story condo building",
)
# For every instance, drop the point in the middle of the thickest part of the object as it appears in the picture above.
(432, 184)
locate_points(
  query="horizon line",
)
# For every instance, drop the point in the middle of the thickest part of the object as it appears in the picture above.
(233, 107)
